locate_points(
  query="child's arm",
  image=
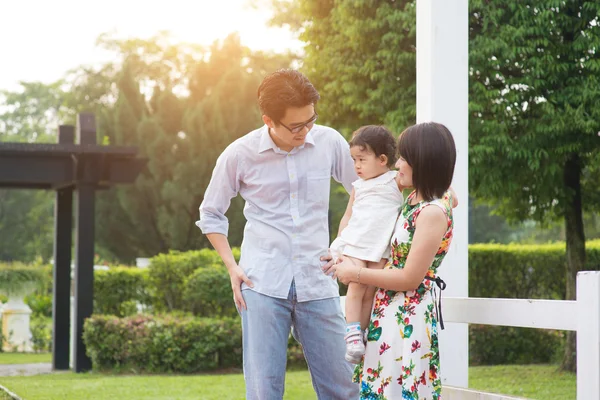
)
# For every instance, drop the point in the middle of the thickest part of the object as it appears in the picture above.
(347, 213)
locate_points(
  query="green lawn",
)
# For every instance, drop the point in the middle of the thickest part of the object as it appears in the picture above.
(534, 382)
(530, 381)
(70, 386)
(24, 358)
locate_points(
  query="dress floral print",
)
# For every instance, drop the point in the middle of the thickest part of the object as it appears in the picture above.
(402, 357)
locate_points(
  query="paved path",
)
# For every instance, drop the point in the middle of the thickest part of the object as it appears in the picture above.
(25, 369)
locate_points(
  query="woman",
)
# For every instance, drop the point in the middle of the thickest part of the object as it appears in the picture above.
(402, 351)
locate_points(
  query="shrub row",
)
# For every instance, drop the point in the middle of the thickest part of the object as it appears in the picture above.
(161, 344)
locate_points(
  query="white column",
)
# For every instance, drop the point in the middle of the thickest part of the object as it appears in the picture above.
(442, 96)
(588, 335)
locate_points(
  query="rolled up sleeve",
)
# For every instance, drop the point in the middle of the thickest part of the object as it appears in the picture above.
(224, 185)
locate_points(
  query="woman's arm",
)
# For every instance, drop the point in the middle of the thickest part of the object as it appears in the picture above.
(430, 229)
(454, 197)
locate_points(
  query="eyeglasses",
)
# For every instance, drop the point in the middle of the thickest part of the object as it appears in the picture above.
(298, 128)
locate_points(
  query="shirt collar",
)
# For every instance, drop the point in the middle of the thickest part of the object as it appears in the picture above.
(267, 143)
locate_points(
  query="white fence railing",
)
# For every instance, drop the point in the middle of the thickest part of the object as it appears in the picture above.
(581, 316)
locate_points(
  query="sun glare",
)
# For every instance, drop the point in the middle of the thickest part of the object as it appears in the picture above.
(71, 27)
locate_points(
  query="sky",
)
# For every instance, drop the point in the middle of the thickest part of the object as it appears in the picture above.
(40, 40)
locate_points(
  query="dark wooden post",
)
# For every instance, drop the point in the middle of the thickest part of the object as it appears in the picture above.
(63, 225)
(84, 264)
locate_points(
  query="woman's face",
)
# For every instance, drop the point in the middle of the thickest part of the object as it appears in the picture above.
(404, 172)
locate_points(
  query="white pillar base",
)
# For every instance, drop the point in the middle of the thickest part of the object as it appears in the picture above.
(15, 325)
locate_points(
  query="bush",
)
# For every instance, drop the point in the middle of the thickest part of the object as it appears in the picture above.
(160, 344)
(522, 271)
(519, 271)
(41, 334)
(40, 304)
(208, 292)
(491, 345)
(168, 274)
(20, 279)
(163, 344)
(118, 290)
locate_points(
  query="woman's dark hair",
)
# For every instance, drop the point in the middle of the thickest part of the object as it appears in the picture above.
(283, 89)
(430, 150)
(377, 139)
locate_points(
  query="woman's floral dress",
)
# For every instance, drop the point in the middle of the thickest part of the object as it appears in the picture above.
(402, 356)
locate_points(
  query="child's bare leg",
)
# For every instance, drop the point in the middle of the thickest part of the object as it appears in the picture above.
(355, 347)
(369, 296)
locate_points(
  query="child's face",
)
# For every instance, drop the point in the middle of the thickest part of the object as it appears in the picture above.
(366, 164)
(404, 172)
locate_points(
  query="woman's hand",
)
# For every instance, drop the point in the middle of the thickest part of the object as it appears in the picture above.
(346, 271)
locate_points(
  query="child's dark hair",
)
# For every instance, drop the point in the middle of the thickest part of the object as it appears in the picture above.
(430, 150)
(378, 139)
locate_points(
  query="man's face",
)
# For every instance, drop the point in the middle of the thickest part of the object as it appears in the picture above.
(292, 129)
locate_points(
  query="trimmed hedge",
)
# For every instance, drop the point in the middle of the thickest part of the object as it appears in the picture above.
(168, 274)
(523, 271)
(519, 271)
(117, 291)
(198, 282)
(207, 292)
(160, 344)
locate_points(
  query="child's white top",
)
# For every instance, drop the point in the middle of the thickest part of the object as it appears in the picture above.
(377, 203)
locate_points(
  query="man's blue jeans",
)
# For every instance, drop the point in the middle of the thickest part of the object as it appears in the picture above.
(318, 325)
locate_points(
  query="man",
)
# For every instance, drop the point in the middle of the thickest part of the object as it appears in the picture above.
(283, 172)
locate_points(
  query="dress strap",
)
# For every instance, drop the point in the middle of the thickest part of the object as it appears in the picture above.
(438, 304)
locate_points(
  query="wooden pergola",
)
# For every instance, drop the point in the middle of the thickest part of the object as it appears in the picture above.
(76, 165)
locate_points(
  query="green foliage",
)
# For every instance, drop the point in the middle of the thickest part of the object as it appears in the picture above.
(533, 104)
(523, 271)
(180, 104)
(41, 334)
(117, 290)
(208, 292)
(360, 55)
(163, 344)
(519, 271)
(168, 274)
(201, 100)
(40, 304)
(26, 225)
(19, 279)
(499, 345)
(160, 344)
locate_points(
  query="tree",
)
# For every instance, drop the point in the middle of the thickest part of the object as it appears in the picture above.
(534, 71)
(534, 117)
(181, 105)
(29, 114)
(361, 57)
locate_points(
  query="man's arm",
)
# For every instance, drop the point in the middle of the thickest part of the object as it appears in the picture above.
(224, 185)
(236, 273)
(343, 165)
